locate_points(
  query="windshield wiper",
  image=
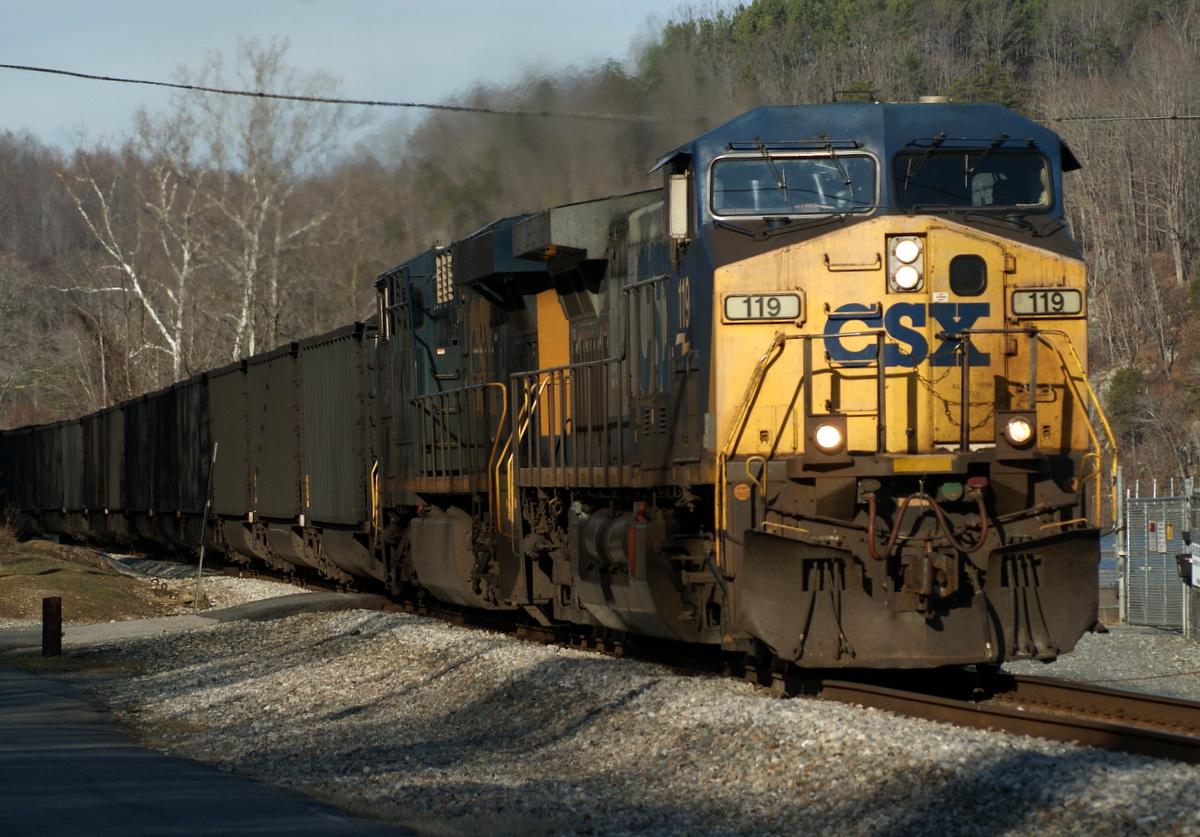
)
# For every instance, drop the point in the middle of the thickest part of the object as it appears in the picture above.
(780, 179)
(725, 225)
(970, 169)
(1015, 220)
(828, 146)
(773, 226)
(1058, 220)
(776, 226)
(999, 142)
(921, 160)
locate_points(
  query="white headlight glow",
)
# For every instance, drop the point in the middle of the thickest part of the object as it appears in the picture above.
(1018, 431)
(907, 278)
(907, 250)
(828, 438)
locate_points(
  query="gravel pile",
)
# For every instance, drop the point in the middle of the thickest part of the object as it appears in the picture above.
(457, 732)
(216, 590)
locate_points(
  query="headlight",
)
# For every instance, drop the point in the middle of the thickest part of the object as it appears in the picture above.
(907, 250)
(1018, 431)
(828, 438)
(907, 278)
(906, 263)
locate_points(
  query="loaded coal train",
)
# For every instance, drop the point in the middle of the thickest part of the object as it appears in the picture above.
(820, 396)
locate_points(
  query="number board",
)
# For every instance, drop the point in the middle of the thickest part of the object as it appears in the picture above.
(1047, 302)
(762, 307)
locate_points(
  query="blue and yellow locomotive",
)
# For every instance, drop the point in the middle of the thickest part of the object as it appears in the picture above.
(820, 397)
(823, 392)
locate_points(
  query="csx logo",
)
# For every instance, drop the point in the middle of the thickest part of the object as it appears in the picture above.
(909, 347)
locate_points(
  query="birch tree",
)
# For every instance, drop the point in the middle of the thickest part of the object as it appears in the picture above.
(200, 234)
(261, 151)
(140, 209)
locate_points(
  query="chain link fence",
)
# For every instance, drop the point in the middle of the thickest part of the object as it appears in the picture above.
(1146, 571)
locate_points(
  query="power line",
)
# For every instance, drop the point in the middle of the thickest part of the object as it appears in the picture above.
(1172, 117)
(605, 117)
(328, 100)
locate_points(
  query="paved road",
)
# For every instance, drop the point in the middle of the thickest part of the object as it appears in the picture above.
(67, 768)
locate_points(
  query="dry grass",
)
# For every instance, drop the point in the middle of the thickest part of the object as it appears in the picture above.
(90, 588)
(10, 530)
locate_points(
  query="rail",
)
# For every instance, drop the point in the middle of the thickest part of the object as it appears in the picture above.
(1059, 710)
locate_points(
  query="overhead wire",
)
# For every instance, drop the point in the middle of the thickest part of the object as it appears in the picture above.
(609, 117)
(1172, 117)
(330, 100)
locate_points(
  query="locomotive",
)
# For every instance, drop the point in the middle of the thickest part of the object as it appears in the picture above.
(820, 397)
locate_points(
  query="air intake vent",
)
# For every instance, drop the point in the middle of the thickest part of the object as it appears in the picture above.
(654, 419)
(444, 272)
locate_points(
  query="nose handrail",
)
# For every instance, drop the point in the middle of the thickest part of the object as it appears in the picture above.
(1075, 375)
(1091, 463)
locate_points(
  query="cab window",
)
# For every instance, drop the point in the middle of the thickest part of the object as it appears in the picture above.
(951, 180)
(775, 185)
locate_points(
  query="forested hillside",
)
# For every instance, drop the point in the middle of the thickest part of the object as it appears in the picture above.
(228, 225)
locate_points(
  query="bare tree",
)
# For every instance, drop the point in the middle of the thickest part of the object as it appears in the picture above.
(260, 152)
(1163, 68)
(141, 210)
(200, 231)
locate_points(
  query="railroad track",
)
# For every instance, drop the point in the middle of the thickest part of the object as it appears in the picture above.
(1043, 707)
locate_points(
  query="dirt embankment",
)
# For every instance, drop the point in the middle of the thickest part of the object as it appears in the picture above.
(92, 589)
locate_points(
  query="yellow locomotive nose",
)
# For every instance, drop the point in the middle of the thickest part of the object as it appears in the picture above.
(920, 330)
(933, 383)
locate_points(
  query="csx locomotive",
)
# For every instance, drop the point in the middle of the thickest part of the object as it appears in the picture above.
(820, 396)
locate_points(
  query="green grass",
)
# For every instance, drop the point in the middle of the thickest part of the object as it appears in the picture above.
(29, 565)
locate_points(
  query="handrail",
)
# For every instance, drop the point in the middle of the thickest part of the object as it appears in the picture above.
(376, 509)
(508, 452)
(460, 402)
(494, 461)
(1072, 370)
(521, 419)
(746, 406)
(568, 455)
(1040, 336)
(753, 387)
(1095, 401)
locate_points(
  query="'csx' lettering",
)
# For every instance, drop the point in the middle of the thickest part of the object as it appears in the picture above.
(901, 321)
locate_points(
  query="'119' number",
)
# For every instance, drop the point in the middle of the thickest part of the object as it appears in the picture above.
(1043, 301)
(762, 307)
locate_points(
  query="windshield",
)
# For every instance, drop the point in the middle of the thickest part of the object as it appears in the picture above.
(972, 179)
(784, 186)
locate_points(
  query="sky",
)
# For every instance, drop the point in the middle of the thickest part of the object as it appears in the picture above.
(389, 50)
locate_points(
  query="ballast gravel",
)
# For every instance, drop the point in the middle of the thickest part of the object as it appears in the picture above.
(460, 732)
